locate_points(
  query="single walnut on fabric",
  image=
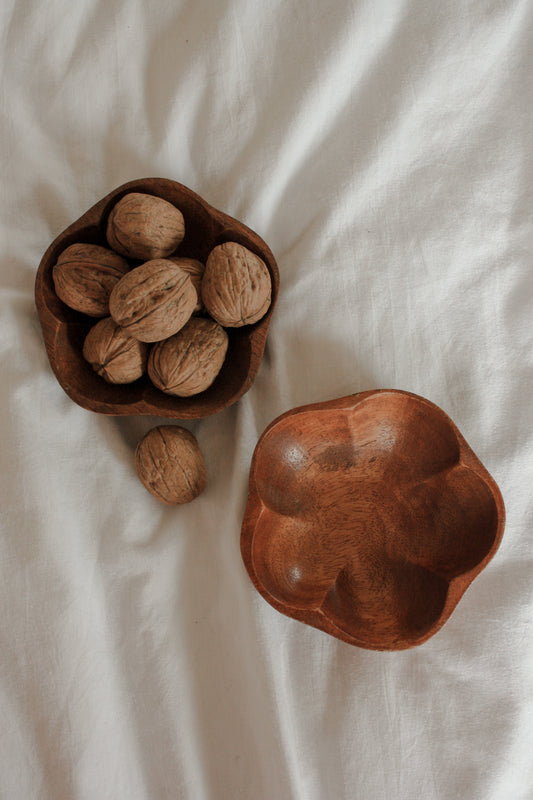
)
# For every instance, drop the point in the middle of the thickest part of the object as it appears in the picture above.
(236, 287)
(145, 227)
(153, 301)
(115, 356)
(195, 271)
(188, 362)
(170, 465)
(84, 276)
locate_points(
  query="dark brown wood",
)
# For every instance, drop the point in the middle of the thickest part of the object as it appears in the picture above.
(64, 330)
(368, 517)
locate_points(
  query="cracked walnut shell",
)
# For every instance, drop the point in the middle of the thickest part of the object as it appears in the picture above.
(145, 227)
(153, 301)
(170, 465)
(188, 362)
(85, 275)
(115, 356)
(236, 287)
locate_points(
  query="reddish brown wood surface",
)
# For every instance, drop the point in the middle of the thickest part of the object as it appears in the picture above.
(368, 517)
(64, 330)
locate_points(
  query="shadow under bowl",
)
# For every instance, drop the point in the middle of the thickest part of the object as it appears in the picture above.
(64, 330)
(368, 517)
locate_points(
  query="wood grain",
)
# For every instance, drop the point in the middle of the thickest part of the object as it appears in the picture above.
(368, 517)
(64, 330)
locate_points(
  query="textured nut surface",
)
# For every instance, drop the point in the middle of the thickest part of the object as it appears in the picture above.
(188, 362)
(145, 227)
(195, 271)
(153, 301)
(115, 356)
(236, 287)
(84, 276)
(170, 465)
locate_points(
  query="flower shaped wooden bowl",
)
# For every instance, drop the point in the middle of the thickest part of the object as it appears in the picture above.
(64, 330)
(368, 517)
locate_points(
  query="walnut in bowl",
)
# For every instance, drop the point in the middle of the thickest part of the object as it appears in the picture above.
(115, 356)
(236, 285)
(153, 301)
(145, 227)
(65, 329)
(188, 362)
(85, 275)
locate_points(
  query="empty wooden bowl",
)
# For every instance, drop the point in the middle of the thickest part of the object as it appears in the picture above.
(64, 330)
(368, 517)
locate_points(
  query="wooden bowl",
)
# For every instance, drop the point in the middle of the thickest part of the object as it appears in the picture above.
(368, 517)
(64, 330)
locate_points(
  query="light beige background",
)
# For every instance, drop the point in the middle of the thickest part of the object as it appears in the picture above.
(383, 150)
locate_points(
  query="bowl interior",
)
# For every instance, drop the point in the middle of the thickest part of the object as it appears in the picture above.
(65, 330)
(365, 519)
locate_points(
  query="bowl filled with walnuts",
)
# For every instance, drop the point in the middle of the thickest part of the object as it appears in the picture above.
(155, 303)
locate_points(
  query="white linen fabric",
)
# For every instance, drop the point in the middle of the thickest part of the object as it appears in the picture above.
(382, 148)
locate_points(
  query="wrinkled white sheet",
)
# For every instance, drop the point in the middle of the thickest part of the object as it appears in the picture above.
(383, 150)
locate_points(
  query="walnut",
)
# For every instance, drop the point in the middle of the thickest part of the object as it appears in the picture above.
(170, 465)
(236, 286)
(153, 301)
(195, 270)
(84, 276)
(145, 227)
(115, 356)
(188, 362)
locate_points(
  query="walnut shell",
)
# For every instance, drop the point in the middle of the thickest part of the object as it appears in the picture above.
(84, 276)
(170, 465)
(236, 287)
(188, 362)
(145, 227)
(115, 356)
(153, 301)
(195, 271)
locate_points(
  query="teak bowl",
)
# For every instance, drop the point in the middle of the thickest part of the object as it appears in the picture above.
(64, 330)
(368, 517)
